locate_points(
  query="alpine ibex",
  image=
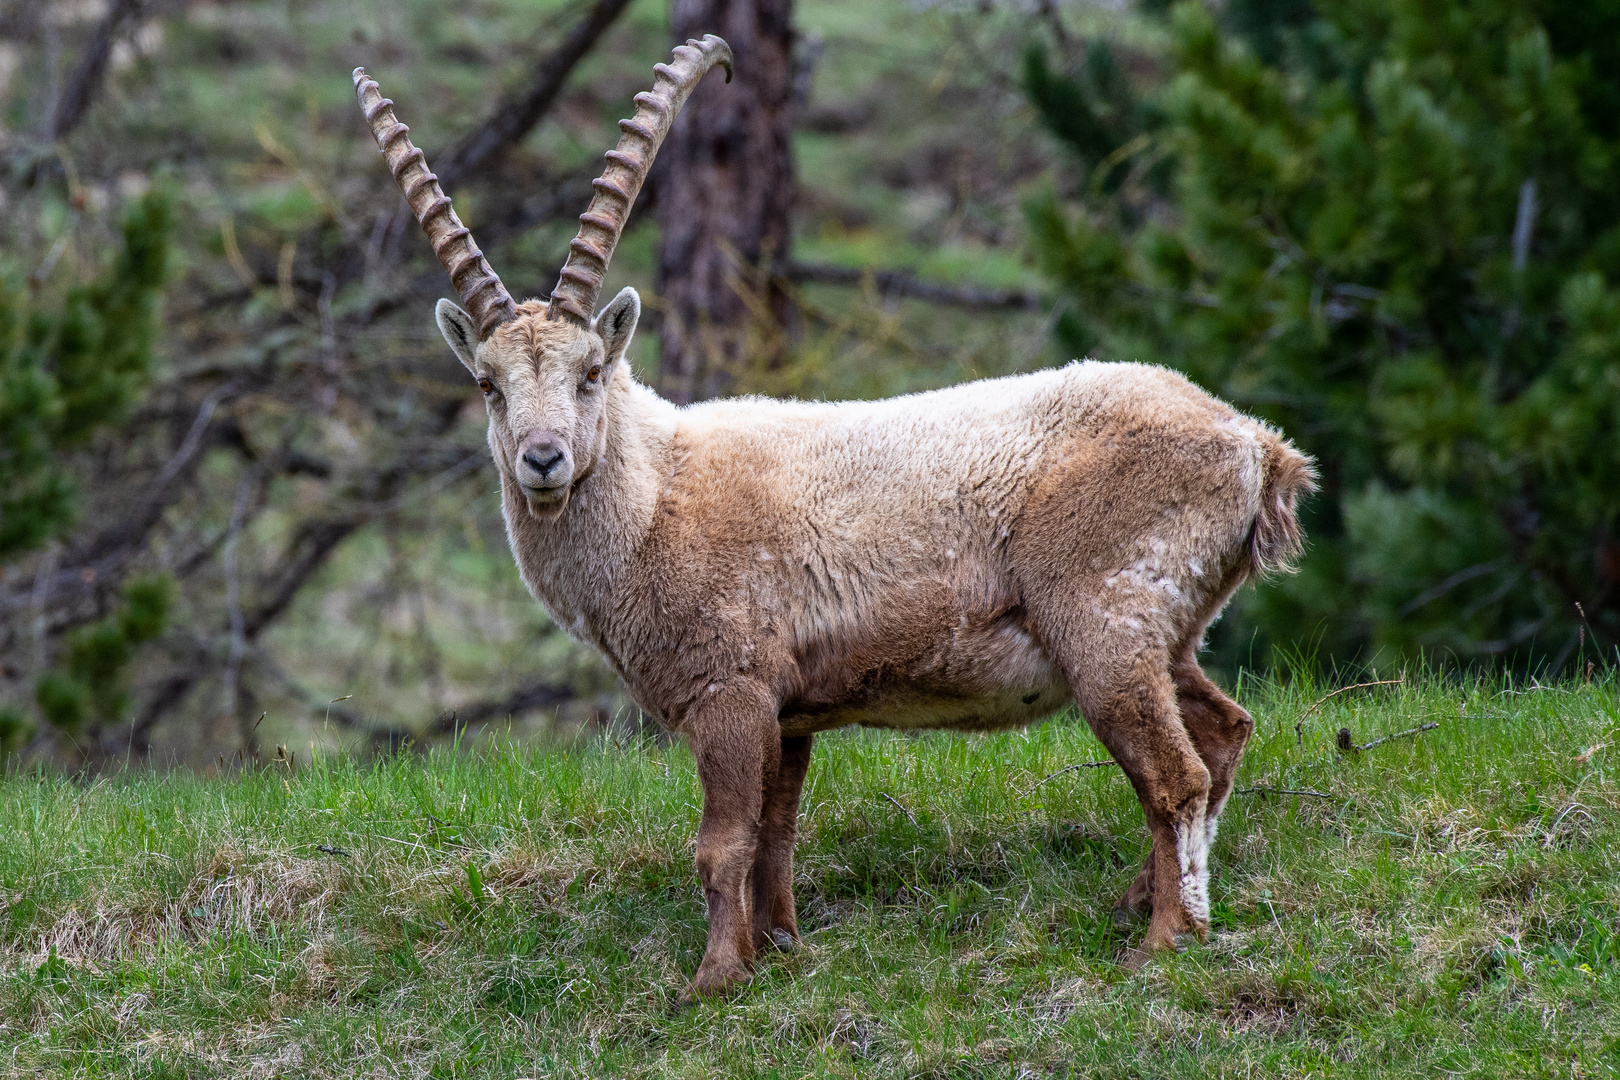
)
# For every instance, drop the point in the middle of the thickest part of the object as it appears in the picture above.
(973, 558)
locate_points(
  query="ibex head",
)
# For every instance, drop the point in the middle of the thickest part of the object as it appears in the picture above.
(545, 367)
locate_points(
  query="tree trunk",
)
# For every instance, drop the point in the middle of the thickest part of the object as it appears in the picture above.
(723, 202)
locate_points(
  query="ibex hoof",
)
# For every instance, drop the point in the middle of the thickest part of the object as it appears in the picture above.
(712, 985)
(1135, 958)
(1159, 943)
(783, 940)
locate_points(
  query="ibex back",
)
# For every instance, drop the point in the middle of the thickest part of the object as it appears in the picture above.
(972, 558)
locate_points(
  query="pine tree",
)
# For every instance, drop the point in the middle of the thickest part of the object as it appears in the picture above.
(89, 685)
(1391, 228)
(67, 374)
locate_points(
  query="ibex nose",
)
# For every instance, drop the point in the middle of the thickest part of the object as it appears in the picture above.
(543, 461)
(537, 460)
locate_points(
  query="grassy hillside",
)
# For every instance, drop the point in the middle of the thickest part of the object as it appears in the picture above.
(1445, 903)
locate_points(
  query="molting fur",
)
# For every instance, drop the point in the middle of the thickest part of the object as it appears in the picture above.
(971, 558)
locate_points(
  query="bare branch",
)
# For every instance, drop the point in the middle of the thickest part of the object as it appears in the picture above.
(90, 73)
(103, 557)
(902, 283)
(132, 530)
(1325, 698)
(1263, 790)
(1399, 735)
(902, 808)
(515, 116)
(1070, 769)
(233, 597)
(518, 113)
(540, 695)
(1299, 725)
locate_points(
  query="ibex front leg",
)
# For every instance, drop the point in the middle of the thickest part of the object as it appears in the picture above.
(737, 741)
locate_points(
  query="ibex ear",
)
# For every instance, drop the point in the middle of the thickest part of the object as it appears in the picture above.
(458, 329)
(617, 323)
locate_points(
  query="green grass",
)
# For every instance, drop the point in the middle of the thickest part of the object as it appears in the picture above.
(1449, 908)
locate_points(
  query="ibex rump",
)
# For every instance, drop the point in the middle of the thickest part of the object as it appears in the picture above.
(971, 558)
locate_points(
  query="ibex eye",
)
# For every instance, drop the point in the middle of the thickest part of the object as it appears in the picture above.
(486, 386)
(594, 375)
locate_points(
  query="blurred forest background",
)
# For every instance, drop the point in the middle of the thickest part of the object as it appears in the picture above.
(245, 500)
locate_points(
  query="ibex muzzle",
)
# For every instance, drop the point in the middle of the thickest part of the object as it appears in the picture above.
(544, 464)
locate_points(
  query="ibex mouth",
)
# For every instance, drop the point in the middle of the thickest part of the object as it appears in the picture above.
(547, 504)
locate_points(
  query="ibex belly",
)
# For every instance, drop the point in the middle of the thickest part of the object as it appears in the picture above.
(979, 675)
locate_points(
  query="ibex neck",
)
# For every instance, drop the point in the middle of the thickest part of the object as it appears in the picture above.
(570, 563)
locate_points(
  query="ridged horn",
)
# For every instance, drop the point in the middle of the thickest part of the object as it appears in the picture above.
(580, 282)
(482, 293)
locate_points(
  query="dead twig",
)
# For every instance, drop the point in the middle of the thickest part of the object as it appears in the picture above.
(1263, 790)
(903, 809)
(518, 113)
(1398, 735)
(1069, 769)
(90, 74)
(1299, 725)
(902, 283)
(1345, 690)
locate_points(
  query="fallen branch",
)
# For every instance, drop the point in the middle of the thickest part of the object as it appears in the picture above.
(903, 810)
(1069, 769)
(902, 283)
(1263, 790)
(392, 738)
(1398, 735)
(540, 695)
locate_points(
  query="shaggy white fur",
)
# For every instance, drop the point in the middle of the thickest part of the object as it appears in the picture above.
(1192, 850)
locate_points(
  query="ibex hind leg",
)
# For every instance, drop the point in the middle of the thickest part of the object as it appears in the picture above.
(1129, 699)
(775, 917)
(1218, 726)
(1219, 729)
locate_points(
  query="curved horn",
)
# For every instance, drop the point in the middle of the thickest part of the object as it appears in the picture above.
(580, 282)
(481, 291)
